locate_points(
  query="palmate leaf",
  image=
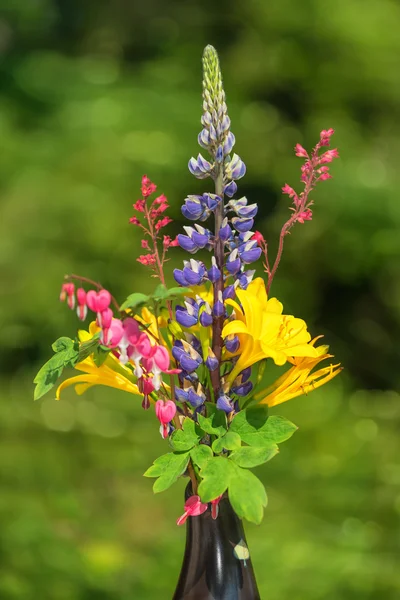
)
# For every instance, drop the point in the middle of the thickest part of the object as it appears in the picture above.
(135, 300)
(185, 438)
(247, 494)
(216, 477)
(200, 455)
(215, 424)
(256, 428)
(229, 441)
(252, 456)
(66, 355)
(167, 468)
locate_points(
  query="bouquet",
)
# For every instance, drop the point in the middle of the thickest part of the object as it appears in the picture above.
(195, 354)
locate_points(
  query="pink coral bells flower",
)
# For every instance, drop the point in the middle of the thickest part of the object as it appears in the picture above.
(148, 187)
(258, 236)
(325, 136)
(300, 151)
(305, 215)
(147, 259)
(165, 412)
(68, 292)
(134, 221)
(289, 191)
(193, 508)
(145, 245)
(328, 156)
(139, 205)
(163, 223)
(98, 301)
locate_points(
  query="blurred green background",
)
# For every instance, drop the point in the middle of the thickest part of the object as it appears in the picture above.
(93, 95)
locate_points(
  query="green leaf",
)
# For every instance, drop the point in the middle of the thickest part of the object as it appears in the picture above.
(200, 455)
(247, 494)
(167, 468)
(216, 476)
(135, 300)
(178, 291)
(215, 424)
(100, 355)
(252, 456)
(66, 356)
(88, 348)
(257, 429)
(185, 438)
(229, 441)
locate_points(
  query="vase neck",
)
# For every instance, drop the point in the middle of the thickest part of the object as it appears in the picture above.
(216, 564)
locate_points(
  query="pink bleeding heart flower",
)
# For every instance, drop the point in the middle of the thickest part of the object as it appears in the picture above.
(193, 508)
(132, 331)
(215, 506)
(68, 291)
(98, 301)
(144, 346)
(115, 333)
(145, 385)
(161, 359)
(165, 412)
(81, 309)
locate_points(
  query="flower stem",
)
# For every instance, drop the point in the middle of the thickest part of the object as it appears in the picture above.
(218, 286)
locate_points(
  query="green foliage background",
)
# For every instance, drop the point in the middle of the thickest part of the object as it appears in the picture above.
(93, 95)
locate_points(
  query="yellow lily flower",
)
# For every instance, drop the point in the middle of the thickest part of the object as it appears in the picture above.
(299, 380)
(111, 373)
(264, 332)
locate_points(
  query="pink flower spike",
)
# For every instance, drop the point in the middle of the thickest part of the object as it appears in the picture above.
(193, 508)
(300, 151)
(161, 200)
(325, 136)
(145, 245)
(165, 412)
(215, 507)
(98, 301)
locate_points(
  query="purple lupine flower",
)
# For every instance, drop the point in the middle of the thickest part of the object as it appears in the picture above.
(180, 394)
(236, 168)
(242, 224)
(229, 143)
(229, 292)
(194, 272)
(232, 343)
(186, 243)
(250, 256)
(243, 389)
(219, 308)
(233, 263)
(245, 278)
(196, 399)
(219, 155)
(225, 231)
(211, 200)
(203, 164)
(206, 319)
(201, 237)
(195, 209)
(214, 273)
(184, 318)
(195, 169)
(179, 278)
(225, 403)
(211, 361)
(249, 211)
(230, 189)
(204, 139)
(245, 374)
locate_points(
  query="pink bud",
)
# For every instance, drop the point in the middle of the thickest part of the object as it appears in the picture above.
(81, 309)
(306, 215)
(300, 151)
(288, 190)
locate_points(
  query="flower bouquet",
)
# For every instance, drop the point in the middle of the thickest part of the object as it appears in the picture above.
(195, 353)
